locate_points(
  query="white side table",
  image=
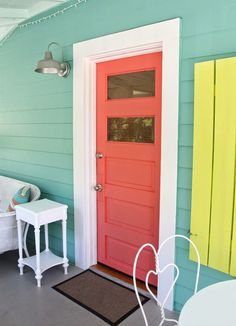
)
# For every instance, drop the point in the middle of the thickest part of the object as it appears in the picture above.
(38, 213)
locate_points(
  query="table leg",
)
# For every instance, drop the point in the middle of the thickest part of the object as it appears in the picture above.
(20, 260)
(64, 239)
(38, 274)
(46, 237)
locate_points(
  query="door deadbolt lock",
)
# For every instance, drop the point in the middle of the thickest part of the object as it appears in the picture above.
(98, 187)
(99, 155)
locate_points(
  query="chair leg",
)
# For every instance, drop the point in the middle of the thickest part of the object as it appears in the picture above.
(20, 260)
(25, 239)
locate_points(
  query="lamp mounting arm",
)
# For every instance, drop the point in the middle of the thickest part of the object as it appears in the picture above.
(57, 44)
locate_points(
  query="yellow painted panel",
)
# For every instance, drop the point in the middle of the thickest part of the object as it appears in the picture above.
(223, 166)
(233, 244)
(202, 158)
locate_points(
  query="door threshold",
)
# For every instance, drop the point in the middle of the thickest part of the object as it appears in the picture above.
(122, 277)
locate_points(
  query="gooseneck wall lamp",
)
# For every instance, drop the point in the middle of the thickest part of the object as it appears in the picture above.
(50, 66)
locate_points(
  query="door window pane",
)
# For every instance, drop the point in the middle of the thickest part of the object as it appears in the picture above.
(135, 84)
(138, 129)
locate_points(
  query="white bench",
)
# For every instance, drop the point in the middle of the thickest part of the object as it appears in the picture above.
(8, 229)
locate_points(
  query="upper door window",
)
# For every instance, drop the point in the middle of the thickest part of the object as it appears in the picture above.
(131, 85)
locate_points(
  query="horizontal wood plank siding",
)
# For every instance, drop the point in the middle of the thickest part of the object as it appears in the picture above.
(36, 110)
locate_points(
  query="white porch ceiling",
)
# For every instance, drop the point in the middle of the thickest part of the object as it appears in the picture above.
(12, 12)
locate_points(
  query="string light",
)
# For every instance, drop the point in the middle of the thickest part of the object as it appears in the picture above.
(42, 19)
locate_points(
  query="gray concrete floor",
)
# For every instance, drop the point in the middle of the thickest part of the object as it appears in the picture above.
(23, 304)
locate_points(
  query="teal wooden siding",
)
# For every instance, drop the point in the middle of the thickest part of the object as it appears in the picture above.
(36, 110)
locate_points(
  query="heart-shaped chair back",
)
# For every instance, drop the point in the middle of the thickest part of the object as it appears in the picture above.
(159, 270)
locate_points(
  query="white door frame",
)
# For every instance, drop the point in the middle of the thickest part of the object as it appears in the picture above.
(163, 36)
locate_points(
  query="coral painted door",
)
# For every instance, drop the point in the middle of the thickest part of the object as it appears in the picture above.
(128, 160)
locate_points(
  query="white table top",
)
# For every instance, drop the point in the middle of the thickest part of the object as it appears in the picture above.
(41, 212)
(39, 206)
(214, 305)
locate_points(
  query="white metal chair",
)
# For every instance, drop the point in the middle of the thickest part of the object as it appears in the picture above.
(159, 270)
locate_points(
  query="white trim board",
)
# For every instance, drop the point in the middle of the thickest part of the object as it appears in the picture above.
(163, 36)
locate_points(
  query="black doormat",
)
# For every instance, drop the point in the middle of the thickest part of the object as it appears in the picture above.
(106, 299)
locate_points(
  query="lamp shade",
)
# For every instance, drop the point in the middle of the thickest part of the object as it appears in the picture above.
(48, 65)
